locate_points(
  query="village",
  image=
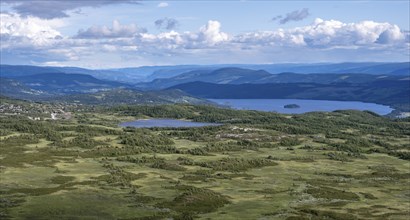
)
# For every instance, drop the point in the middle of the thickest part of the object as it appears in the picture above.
(37, 111)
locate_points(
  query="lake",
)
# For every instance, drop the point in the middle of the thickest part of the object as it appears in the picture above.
(277, 105)
(167, 123)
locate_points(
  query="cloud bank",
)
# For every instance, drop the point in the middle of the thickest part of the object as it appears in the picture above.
(31, 38)
(330, 34)
(16, 31)
(58, 8)
(116, 31)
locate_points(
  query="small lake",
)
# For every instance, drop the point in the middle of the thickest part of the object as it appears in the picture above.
(277, 105)
(165, 123)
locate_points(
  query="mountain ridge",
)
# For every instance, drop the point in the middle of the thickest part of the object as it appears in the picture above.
(66, 83)
(395, 93)
(235, 75)
(97, 96)
(131, 97)
(148, 73)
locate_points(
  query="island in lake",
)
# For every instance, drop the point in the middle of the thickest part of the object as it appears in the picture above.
(291, 106)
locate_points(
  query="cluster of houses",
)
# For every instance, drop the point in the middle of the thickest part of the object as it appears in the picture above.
(35, 114)
(6, 108)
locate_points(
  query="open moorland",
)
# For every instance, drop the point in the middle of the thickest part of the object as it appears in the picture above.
(257, 165)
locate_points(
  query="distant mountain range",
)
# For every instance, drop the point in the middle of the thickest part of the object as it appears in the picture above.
(220, 76)
(159, 72)
(128, 96)
(395, 93)
(148, 73)
(13, 71)
(365, 68)
(62, 83)
(85, 89)
(345, 81)
(241, 76)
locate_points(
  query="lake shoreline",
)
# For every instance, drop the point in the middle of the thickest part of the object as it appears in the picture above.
(165, 123)
(305, 105)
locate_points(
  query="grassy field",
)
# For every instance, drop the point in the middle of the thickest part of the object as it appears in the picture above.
(340, 165)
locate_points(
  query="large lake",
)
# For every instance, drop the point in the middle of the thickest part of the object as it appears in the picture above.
(167, 123)
(277, 105)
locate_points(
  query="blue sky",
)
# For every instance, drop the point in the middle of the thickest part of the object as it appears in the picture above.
(123, 33)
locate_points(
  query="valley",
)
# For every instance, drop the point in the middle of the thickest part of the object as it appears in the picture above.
(75, 146)
(380, 83)
(204, 110)
(336, 165)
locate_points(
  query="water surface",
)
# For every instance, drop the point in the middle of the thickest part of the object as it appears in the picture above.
(277, 105)
(168, 123)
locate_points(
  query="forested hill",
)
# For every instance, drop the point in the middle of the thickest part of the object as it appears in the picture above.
(128, 96)
(241, 76)
(394, 93)
(67, 83)
(149, 73)
(221, 76)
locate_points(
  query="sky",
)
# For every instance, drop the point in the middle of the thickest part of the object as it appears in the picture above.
(129, 33)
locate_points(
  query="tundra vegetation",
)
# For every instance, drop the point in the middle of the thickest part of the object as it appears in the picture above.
(257, 165)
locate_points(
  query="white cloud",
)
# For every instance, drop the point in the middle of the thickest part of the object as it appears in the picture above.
(17, 31)
(58, 8)
(71, 54)
(162, 5)
(211, 33)
(328, 34)
(116, 31)
(208, 35)
(391, 35)
(39, 39)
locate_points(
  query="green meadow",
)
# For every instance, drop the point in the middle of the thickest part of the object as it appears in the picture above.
(257, 165)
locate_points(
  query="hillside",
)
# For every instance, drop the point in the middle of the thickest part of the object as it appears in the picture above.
(14, 89)
(374, 68)
(84, 89)
(324, 78)
(150, 73)
(13, 71)
(219, 76)
(241, 76)
(127, 96)
(393, 93)
(402, 68)
(67, 83)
